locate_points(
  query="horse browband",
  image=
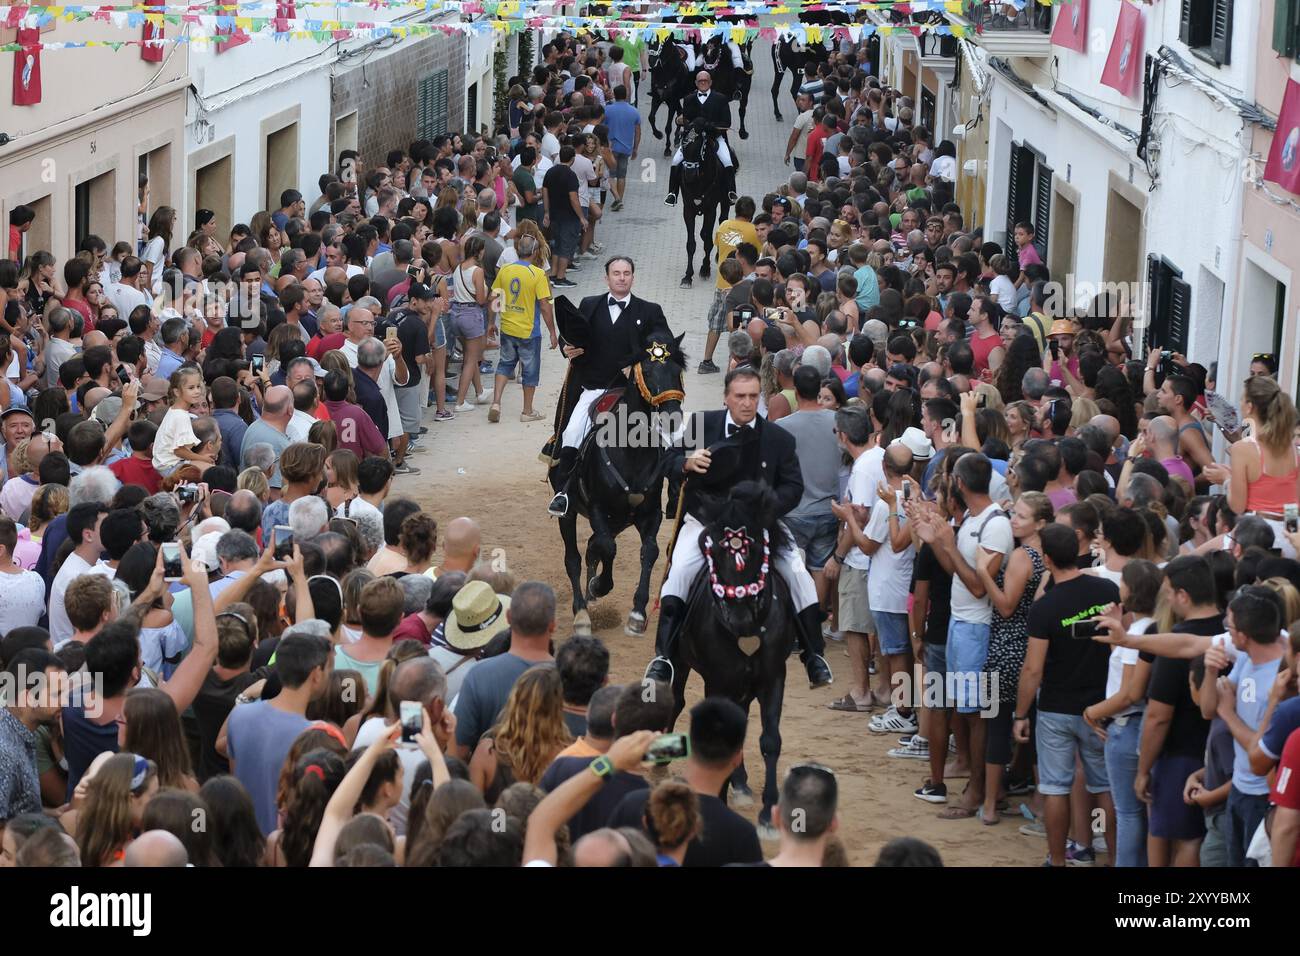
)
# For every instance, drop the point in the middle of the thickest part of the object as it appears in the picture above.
(671, 395)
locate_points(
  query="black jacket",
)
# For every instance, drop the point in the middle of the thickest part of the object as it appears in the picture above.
(716, 109)
(612, 347)
(769, 456)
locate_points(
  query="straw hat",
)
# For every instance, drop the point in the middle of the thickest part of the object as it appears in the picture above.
(478, 614)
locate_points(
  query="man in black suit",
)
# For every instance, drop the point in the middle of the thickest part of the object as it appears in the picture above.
(618, 326)
(714, 109)
(769, 456)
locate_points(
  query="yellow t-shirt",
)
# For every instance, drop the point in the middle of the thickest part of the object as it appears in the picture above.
(522, 286)
(728, 236)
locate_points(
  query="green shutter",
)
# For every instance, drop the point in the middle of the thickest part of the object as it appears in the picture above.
(1284, 22)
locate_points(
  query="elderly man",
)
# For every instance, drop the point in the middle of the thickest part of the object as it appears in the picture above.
(271, 429)
(380, 368)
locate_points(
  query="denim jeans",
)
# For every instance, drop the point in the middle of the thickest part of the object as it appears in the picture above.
(1245, 811)
(1130, 812)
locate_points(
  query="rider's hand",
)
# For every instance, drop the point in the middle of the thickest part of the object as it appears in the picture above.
(698, 462)
(572, 351)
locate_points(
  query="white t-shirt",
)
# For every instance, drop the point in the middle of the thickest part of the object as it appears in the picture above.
(22, 600)
(352, 270)
(997, 537)
(889, 582)
(1123, 656)
(74, 566)
(154, 254)
(410, 758)
(585, 171)
(865, 477)
(299, 425)
(550, 147)
(177, 429)
(944, 167)
(1004, 290)
(804, 124)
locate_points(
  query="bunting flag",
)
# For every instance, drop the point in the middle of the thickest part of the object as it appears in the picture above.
(27, 67)
(153, 30)
(1124, 64)
(233, 35)
(1284, 156)
(1071, 28)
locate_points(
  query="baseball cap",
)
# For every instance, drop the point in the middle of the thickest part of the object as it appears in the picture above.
(17, 410)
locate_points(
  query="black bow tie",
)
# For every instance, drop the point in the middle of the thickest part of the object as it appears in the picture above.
(614, 302)
(733, 429)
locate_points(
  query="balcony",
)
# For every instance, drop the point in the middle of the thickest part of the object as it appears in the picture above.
(1002, 30)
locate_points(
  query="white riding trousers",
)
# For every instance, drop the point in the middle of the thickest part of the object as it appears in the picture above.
(688, 560)
(724, 154)
(580, 421)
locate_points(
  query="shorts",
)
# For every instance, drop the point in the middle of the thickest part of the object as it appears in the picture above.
(442, 331)
(524, 352)
(1060, 737)
(620, 166)
(967, 651)
(410, 406)
(1169, 818)
(855, 613)
(815, 536)
(797, 163)
(936, 687)
(997, 740)
(891, 628)
(565, 234)
(718, 311)
(467, 320)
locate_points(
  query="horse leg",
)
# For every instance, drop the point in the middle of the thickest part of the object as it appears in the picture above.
(706, 235)
(688, 215)
(742, 797)
(573, 568)
(670, 130)
(795, 78)
(778, 73)
(744, 105)
(769, 744)
(648, 527)
(600, 556)
(654, 108)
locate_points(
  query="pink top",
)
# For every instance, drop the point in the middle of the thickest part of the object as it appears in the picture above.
(1176, 466)
(933, 321)
(1271, 493)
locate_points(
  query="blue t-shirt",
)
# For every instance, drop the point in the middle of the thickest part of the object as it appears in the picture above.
(622, 120)
(259, 737)
(483, 695)
(1286, 718)
(1253, 682)
(868, 288)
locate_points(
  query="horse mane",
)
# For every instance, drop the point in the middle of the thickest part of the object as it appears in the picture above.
(751, 504)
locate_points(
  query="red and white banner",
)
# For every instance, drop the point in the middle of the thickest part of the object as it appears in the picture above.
(152, 52)
(1284, 157)
(1071, 27)
(27, 68)
(1124, 65)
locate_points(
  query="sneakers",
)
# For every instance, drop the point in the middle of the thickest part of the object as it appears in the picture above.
(573, 266)
(707, 368)
(563, 283)
(445, 415)
(616, 205)
(482, 398)
(912, 747)
(466, 406)
(932, 792)
(1034, 828)
(1076, 855)
(486, 368)
(1020, 788)
(596, 247)
(494, 414)
(405, 469)
(892, 722)
(586, 255)
(531, 417)
(1099, 843)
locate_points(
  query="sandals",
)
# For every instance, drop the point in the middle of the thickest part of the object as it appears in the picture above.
(956, 812)
(979, 815)
(847, 703)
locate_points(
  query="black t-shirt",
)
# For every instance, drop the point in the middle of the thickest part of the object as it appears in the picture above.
(927, 568)
(1074, 674)
(215, 701)
(577, 723)
(414, 336)
(83, 741)
(597, 810)
(726, 837)
(1169, 685)
(559, 181)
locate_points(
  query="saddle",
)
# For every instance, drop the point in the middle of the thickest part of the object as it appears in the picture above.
(605, 403)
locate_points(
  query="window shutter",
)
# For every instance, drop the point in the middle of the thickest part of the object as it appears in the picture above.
(1012, 191)
(438, 105)
(1180, 307)
(1154, 317)
(1221, 31)
(1284, 26)
(1042, 209)
(1194, 22)
(423, 101)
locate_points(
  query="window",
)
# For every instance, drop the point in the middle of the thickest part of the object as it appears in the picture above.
(471, 108)
(928, 107)
(431, 106)
(1029, 196)
(1170, 305)
(1286, 26)
(281, 163)
(95, 208)
(1206, 27)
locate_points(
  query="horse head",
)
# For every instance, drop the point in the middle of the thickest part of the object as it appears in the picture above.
(697, 151)
(660, 379)
(742, 533)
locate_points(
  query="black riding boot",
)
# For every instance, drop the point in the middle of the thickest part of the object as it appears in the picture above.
(674, 184)
(729, 183)
(808, 628)
(672, 613)
(559, 505)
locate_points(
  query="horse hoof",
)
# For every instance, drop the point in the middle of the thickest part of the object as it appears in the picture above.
(686, 282)
(704, 271)
(582, 623)
(659, 135)
(741, 799)
(744, 134)
(635, 626)
(768, 833)
(779, 117)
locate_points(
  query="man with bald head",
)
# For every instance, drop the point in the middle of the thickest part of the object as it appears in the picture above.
(272, 428)
(93, 339)
(157, 848)
(244, 512)
(1160, 439)
(461, 544)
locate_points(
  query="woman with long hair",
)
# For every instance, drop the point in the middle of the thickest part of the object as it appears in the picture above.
(469, 296)
(444, 807)
(38, 272)
(154, 256)
(1020, 423)
(151, 727)
(1022, 355)
(341, 481)
(317, 775)
(115, 801)
(236, 837)
(380, 704)
(177, 812)
(527, 736)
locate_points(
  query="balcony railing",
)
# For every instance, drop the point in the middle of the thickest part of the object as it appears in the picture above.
(1003, 17)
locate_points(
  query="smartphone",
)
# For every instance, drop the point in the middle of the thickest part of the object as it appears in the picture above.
(413, 271)
(669, 747)
(282, 535)
(258, 363)
(390, 333)
(1056, 349)
(1291, 513)
(411, 715)
(123, 375)
(171, 552)
(1084, 630)
(907, 489)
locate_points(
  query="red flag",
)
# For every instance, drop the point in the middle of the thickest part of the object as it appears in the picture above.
(1124, 64)
(284, 13)
(153, 53)
(1071, 28)
(234, 35)
(27, 68)
(1284, 157)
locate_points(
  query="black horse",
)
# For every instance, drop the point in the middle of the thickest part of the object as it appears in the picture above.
(732, 83)
(703, 194)
(670, 80)
(619, 481)
(738, 631)
(790, 54)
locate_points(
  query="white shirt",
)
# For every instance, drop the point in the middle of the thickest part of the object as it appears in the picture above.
(22, 600)
(177, 429)
(996, 537)
(319, 274)
(124, 298)
(61, 629)
(1004, 290)
(550, 147)
(944, 167)
(889, 582)
(616, 313)
(154, 255)
(865, 477)
(1123, 656)
(543, 164)
(299, 425)
(585, 171)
